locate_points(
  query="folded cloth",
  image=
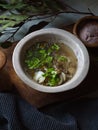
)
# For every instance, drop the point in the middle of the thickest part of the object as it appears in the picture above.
(17, 114)
(84, 110)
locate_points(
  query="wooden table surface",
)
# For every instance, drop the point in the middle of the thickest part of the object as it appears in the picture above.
(10, 82)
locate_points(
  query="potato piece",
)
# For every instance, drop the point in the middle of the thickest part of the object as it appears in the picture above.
(71, 70)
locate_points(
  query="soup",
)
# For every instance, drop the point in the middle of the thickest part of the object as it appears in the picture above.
(50, 64)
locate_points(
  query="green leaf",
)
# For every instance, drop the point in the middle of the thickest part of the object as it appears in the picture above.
(32, 63)
(12, 1)
(54, 6)
(55, 46)
(11, 20)
(13, 6)
(7, 24)
(15, 1)
(52, 76)
(62, 58)
(49, 59)
(16, 17)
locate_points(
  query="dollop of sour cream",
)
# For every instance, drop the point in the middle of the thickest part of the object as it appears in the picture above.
(38, 77)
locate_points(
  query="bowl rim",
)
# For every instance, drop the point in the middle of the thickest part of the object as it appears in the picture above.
(81, 20)
(36, 86)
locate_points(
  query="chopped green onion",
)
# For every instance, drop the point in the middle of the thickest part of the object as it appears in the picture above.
(32, 63)
(55, 47)
(62, 58)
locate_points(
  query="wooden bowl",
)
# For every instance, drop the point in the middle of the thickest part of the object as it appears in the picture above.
(86, 29)
(2, 59)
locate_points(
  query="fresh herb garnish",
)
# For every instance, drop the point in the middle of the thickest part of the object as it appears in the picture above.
(47, 63)
(62, 58)
(55, 46)
(52, 76)
(38, 57)
(32, 63)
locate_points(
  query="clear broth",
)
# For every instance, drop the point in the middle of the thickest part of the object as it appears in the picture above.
(60, 69)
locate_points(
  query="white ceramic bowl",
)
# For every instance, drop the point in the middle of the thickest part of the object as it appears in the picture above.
(54, 35)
